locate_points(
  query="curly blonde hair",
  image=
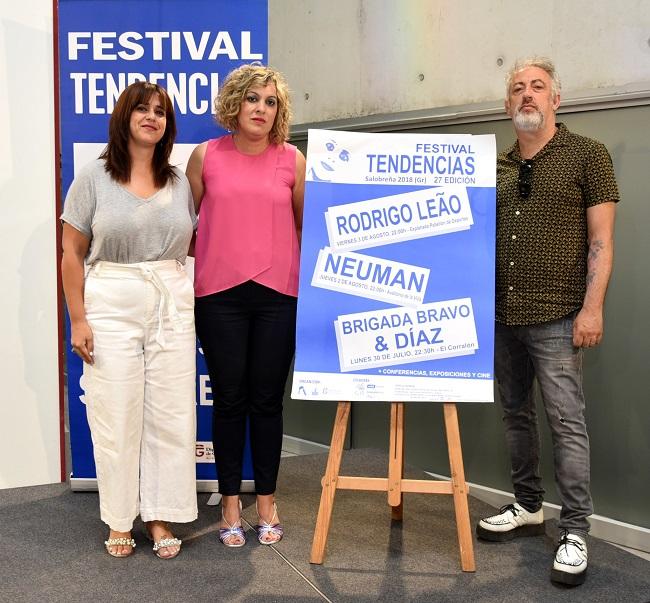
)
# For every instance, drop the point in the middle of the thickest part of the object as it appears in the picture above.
(233, 91)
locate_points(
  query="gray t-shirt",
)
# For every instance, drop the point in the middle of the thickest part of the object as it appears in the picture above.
(124, 228)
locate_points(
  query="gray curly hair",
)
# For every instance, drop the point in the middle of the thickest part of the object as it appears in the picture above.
(535, 61)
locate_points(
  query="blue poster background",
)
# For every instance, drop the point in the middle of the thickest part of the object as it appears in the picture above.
(187, 46)
(461, 265)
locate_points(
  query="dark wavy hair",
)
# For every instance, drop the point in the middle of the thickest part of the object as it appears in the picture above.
(116, 154)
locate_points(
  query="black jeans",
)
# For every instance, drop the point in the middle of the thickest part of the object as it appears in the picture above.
(248, 338)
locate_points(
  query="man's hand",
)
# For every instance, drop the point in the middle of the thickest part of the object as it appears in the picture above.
(588, 328)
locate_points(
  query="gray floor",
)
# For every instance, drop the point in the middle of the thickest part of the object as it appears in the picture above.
(51, 538)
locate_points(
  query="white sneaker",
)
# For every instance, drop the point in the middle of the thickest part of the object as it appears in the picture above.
(510, 522)
(570, 564)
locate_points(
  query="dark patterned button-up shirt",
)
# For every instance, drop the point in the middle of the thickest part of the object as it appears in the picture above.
(541, 251)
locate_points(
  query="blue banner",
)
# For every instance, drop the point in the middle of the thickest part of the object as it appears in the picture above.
(396, 298)
(186, 46)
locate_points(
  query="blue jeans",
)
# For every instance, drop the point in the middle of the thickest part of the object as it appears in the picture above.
(545, 351)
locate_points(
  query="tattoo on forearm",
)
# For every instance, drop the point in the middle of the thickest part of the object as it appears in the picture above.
(595, 247)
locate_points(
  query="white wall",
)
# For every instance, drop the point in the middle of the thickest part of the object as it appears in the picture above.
(363, 57)
(29, 404)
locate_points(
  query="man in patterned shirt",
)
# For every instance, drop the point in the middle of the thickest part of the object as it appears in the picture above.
(556, 195)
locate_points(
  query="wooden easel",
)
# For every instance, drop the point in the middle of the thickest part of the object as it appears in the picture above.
(395, 484)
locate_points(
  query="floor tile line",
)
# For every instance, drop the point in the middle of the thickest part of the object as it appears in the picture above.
(293, 567)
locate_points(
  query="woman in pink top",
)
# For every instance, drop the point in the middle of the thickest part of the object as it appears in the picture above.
(248, 189)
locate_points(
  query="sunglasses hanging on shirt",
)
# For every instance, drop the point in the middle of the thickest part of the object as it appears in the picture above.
(525, 181)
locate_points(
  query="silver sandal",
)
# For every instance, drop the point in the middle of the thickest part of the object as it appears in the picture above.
(164, 542)
(264, 528)
(122, 541)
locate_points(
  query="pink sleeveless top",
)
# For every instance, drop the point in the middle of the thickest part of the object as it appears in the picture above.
(246, 224)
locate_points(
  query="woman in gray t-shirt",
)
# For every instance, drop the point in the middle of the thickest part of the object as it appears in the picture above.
(127, 223)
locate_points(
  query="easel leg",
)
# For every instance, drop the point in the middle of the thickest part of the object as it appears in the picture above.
(396, 461)
(459, 489)
(329, 483)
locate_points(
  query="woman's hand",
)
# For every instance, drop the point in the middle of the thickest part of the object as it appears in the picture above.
(82, 340)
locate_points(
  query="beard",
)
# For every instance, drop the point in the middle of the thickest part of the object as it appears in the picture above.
(529, 122)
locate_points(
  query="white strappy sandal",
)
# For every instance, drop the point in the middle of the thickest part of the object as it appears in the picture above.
(232, 531)
(264, 528)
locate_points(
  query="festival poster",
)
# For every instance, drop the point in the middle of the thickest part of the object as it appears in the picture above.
(396, 299)
(186, 46)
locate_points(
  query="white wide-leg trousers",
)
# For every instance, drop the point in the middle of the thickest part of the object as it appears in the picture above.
(140, 392)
